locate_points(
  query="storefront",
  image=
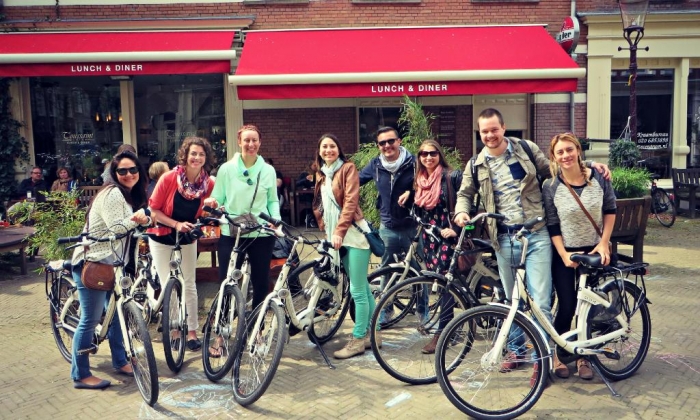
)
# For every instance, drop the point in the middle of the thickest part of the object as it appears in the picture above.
(668, 87)
(81, 95)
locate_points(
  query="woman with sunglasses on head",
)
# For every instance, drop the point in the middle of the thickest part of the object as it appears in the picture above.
(571, 230)
(176, 203)
(435, 187)
(246, 184)
(337, 210)
(116, 208)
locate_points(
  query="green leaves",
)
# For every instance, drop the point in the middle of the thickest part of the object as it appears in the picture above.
(13, 147)
(630, 182)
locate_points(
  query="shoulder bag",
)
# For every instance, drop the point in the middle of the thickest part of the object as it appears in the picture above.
(248, 219)
(376, 244)
(96, 275)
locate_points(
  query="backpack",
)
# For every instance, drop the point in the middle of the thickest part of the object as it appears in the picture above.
(526, 148)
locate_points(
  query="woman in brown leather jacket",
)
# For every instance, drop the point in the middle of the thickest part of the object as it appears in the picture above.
(337, 209)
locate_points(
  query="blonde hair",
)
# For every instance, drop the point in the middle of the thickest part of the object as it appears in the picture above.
(157, 169)
(554, 166)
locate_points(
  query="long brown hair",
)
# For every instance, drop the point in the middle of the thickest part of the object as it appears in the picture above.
(196, 141)
(421, 169)
(320, 162)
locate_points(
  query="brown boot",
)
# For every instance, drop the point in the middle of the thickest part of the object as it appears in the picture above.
(377, 338)
(355, 347)
(584, 369)
(430, 347)
(560, 369)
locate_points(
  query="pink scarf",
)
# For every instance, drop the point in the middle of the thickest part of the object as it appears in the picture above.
(194, 190)
(428, 189)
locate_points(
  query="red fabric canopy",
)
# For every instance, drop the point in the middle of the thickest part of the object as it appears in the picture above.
(397, 61)
(115, 53)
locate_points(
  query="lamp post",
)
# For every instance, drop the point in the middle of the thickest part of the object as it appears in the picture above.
(633, 13)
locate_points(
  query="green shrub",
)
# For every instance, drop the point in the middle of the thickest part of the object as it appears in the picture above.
(58, 216)
(630, 182)
(624, 154)
(418, 129)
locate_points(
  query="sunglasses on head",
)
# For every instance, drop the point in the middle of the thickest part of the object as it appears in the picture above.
(426, 153)
(384, 142)
(133, 171)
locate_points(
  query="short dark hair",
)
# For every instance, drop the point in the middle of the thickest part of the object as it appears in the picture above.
(341, 155)
(488, 113)
(386, 129)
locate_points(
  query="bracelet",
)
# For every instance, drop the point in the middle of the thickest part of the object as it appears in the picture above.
(150, 221)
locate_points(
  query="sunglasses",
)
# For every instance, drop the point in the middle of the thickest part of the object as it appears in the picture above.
(384, 142)
(133, 171)
(247, 174)
(425, 153)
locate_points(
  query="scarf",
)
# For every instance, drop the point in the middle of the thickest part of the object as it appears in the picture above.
(428, 189)
(191, 191)
(331, 208)
(394, 166)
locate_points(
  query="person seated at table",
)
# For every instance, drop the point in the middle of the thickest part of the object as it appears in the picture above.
(307, 179)
(64, 182)
(34, 184)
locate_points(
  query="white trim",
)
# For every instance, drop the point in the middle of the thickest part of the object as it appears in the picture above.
(558, 98)
(112, 57)
(300, 103)
(409, 76)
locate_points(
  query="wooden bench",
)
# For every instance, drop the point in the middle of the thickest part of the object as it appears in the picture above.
(16, 238)
(685, 188)
(87, 194)
(631, 226)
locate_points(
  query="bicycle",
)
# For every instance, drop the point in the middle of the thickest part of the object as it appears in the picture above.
(613, 331)
(137, 340)
(266, 332)
(64, 317)
(662, 206)
(403, 341)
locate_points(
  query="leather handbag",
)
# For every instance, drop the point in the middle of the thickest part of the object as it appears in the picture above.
(248, 219)
(97, 276)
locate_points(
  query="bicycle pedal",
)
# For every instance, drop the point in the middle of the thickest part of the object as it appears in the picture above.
(610, 353)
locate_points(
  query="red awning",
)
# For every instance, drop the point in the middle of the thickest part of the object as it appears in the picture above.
(115, 53)
(374, 62)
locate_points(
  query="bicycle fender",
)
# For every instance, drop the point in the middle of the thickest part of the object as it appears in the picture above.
(411, 271)
(433, 275)
(539, 329)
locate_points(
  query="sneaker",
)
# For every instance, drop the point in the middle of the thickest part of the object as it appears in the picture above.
(584, 369)
(355, 347)
(511, 361)
(377, 338)
(430, 347)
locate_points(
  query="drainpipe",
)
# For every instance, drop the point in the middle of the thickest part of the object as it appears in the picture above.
(572, 100)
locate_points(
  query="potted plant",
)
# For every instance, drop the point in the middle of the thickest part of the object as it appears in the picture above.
(58, 216)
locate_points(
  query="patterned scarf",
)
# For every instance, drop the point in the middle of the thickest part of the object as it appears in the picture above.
(191, 191)
(428, 189)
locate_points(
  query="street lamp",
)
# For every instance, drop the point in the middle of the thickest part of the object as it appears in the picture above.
(633, 13)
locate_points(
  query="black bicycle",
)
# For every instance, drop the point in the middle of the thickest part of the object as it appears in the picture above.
(662, 206)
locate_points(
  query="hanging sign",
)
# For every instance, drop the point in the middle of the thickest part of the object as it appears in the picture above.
(568, 35)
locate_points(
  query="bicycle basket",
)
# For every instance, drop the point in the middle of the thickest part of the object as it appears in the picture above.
(612, 290)
(326, 271)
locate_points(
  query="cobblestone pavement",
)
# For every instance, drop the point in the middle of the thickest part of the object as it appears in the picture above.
(35, 381)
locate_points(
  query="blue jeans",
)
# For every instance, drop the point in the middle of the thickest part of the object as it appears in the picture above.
(92, 304)
(538, 266)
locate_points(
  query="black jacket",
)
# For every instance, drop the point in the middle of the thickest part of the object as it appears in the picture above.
(390, 188)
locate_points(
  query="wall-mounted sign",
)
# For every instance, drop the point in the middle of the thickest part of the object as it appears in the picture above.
(569, 33)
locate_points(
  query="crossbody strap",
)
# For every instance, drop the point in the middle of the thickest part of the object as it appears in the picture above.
(578, 200)
(255, 193)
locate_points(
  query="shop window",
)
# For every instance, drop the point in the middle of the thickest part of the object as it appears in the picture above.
(77, 122)
(372, 118)
(694, 118)
(654, 114)
(170, 108)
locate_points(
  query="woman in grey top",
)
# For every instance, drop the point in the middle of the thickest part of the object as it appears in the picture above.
(571, 230)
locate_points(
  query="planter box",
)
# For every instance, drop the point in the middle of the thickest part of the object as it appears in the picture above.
(631, 226)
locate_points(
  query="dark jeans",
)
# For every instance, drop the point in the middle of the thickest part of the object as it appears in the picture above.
(564, 281)
(259, 251)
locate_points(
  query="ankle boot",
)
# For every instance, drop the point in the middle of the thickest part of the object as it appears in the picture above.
(354, 347)
(430, 347)
(377, 338)
(560, 369)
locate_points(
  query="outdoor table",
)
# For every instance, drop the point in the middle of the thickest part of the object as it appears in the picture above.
(14, 238)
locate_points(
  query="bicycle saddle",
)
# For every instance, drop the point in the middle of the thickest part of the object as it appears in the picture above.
(588, 260)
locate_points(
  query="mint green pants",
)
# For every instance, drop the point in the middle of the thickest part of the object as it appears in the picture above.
(356, 263)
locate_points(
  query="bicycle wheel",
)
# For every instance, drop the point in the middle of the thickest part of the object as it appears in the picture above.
(331, 309)
(221, 341)
(143, 361)
(403, 353)
(174, 325)
(633, 346)
(64, 311)
(256, 363)
(402, 303)
(663, 208)
(484, 389)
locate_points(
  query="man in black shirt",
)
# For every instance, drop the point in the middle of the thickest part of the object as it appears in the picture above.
(34, 184)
